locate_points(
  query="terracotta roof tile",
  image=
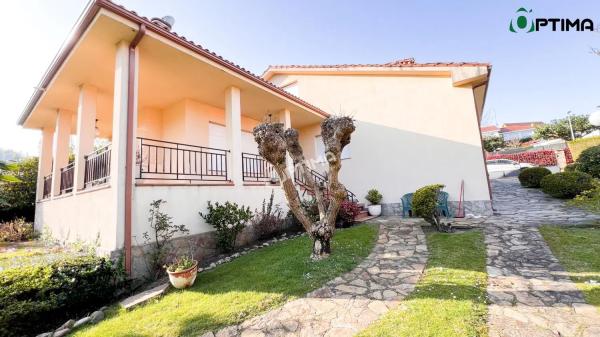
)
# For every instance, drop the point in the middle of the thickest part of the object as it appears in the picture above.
(407, 62)
(185, 42)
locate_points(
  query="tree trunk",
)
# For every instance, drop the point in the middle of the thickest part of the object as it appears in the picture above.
(321, 234)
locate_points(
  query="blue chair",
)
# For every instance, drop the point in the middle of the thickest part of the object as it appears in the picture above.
(407, 204)
(442, 204)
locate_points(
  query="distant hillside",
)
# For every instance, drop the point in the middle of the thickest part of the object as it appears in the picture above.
(7, 155)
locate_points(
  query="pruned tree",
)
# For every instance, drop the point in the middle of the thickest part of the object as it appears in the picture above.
(274, 142)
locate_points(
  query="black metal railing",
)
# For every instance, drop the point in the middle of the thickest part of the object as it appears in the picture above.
(97, 167)
(66, 178)
(47, 186)
(255, 168)
(158, 159)
(320, 180)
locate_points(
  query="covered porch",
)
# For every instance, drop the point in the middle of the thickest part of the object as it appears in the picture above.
(192, 125)
(159, 111)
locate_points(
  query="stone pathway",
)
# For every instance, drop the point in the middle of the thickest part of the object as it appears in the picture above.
(351, 302)
(530, 293)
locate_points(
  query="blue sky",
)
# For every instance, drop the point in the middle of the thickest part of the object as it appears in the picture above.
(537, 76)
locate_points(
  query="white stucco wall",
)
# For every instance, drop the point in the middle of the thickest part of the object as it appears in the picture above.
(411, 131)
(184, 203)
(82, 217)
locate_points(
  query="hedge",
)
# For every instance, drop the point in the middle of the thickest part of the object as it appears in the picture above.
(532, 176)
(579, 145)
(39, 298)
(566, 185)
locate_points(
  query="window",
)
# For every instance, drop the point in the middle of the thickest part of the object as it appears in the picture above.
(320, 150)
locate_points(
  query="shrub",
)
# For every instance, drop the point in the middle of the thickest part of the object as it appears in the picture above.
(268, 222)
(348, 211)
(163, 231)
(566, 185)
(532, 176)
(572, 167)
(180, 263)
(424, 205)
(374, 197)
(228, 219)
(36, 298)
(589, 161)
(18, 195)
(16, 230)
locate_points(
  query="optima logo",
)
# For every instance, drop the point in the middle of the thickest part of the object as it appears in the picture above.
(523, 23)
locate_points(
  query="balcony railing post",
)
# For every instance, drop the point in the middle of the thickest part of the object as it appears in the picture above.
(191, 162)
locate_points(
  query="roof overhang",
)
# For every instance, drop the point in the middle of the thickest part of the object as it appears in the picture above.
(97, 8)
(471, 75)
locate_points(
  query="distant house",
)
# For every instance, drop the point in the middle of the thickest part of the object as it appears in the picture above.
(511, 131)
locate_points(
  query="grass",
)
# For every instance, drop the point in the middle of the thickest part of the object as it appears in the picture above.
(578, 250)
(14, 255)
(450, 299)
(589, 200)
(245, 287)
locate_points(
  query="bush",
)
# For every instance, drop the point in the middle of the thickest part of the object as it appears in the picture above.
(566, 185)
(589, 161)
(18, 197)
(268, 222)
(424, 204)
(348, 211)
(374, 197)
(572, 167)
(532, 176)
(228, 219)
(16, 230)
(37, 298)
(163, 231)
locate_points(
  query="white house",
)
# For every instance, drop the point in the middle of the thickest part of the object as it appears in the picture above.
(177, 119)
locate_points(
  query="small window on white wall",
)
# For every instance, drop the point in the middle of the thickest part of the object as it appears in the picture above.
(320, 150)
(292, 88)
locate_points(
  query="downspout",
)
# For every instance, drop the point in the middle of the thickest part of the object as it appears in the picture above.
(129, 146)
(487, 174)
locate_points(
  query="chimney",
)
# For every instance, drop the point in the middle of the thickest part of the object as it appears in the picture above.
(166, 22)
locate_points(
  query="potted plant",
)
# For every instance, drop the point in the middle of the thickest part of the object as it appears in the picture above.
(374, 197)
(182, 272)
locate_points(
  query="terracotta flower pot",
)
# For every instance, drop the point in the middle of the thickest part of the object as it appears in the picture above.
(185, 278)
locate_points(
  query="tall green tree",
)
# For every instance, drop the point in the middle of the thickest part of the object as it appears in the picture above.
(559, 128)
(491, 144)
(17, 193)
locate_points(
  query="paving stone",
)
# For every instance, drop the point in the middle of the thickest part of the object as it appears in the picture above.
(530, 293)
(351, 302)
(144, 296)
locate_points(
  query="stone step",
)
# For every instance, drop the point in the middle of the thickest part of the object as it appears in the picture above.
(144, 296)
(363, 218)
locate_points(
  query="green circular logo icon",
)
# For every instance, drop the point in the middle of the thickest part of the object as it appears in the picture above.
(522, 22)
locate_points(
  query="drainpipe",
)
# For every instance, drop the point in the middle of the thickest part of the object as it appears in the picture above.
(129, 146)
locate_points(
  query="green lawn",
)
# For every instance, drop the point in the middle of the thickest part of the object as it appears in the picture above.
(589, 200)
(235, 291)
(578, 250)
(450, 299)
(14, 255)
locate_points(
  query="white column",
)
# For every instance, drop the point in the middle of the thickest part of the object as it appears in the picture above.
(61, 147)
(45, 160)
(233, 124)
(286, 118)
(119, 138)
(86, 131)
